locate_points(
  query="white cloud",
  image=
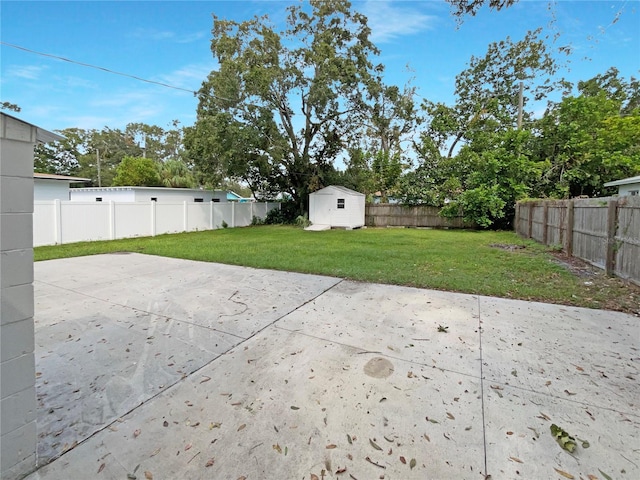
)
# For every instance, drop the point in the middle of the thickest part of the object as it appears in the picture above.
(28, 72)
(389, 21)
(189, 76)
(192, 37)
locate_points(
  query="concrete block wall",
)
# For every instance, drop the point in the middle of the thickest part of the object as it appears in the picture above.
(18, 434)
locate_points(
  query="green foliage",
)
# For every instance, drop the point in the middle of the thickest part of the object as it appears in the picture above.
(285, 215)
(319, 68)
(9, 106)
(302, 221)
(176, 174)
(141, 172)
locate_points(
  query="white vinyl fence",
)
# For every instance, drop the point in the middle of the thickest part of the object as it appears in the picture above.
(57, 222)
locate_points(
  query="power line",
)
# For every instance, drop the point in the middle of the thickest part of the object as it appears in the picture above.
(18, 47)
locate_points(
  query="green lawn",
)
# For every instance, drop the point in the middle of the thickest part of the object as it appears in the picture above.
(454, 260)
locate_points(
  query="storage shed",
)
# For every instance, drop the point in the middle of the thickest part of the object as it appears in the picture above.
(48, 186)
(336, 206)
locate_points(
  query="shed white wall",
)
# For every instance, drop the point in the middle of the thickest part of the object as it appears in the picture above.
(44, 189)
(627, 189)
(323, 208)
(133, 194)
(17, 360)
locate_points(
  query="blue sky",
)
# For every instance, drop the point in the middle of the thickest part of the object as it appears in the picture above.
(168, 42)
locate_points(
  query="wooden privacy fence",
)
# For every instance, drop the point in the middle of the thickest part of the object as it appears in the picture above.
(392, 215)
(602, 231)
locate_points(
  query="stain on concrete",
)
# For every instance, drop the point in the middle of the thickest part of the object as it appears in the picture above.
(378, 367)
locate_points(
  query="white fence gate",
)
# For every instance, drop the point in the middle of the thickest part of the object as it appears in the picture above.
(57, 222)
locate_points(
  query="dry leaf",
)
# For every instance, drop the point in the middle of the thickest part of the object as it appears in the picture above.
(277, 448)
(564, 474)
(242, 478)
(450, 416)
(148, 475)
(349, 439)
(188, 447)
(412, 463)
(516, 459)
(293, 407)
(210, 462)
(330, 446)
(592, 477)
(341, 470)
(101, 467)
(374, 445)
(241, 426)
(580, 369)
(403, 460)
(509, 433)
(314, 477)
(205, 379)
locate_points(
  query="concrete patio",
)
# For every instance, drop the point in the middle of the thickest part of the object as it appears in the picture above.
(151, 367)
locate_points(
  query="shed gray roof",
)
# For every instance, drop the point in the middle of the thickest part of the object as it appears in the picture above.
(340, 188)
(52, 176)
(624, 181)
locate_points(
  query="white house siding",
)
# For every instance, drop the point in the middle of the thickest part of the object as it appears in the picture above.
(50, 190)
(145, 194)
(629, 189)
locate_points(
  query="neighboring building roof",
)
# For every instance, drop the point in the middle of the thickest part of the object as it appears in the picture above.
(340, 188)
(52, 176)
(624, 181)
(42, 135)
(117, 189)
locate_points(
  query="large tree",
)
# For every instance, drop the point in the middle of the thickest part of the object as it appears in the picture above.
(284, 104)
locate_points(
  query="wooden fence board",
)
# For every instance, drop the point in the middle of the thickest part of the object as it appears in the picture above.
(392, 215)
(602, 231)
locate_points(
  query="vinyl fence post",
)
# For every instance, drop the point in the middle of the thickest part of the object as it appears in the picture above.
(112, 220)
(57, 219)
(185, 221)
(211, 215)
(153, 218)
(233, 214)
(612, 211)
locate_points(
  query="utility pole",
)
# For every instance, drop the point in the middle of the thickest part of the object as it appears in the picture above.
(520, 106)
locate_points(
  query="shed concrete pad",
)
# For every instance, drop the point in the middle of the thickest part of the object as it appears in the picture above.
(346, 363)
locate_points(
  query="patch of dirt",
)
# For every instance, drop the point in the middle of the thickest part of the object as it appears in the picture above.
(507, 246)
(620, 295)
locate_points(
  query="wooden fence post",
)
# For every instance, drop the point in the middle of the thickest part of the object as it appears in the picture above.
(545, 222)
(530, 220)
(612, 207)
(569, 229)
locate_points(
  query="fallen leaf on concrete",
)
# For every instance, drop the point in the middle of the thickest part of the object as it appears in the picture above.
(516, 459)
(242, 478)
(349, 439)
(136, 433)
(294, 407)
(545, 417)
(148, 475)
(241, 427)
(412, 463)
(566, 441)
(277, 448)
(451, 417)
(205, 379)
(431, 420)
(187, 447)
(165, 424)
(314, 477)
(341, 470)
(213, 425)
(374, 445)
(101, 467)
(209, 463)
(607, 477)
(390, 440)
(592, 477)
(331, 446)
(564, 474)
(403, 460)
(155, 452)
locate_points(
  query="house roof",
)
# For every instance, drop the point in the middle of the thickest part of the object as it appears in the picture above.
(65, 178)
(624, 181)
(126, 188)
(340, 188)
(42, 135)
